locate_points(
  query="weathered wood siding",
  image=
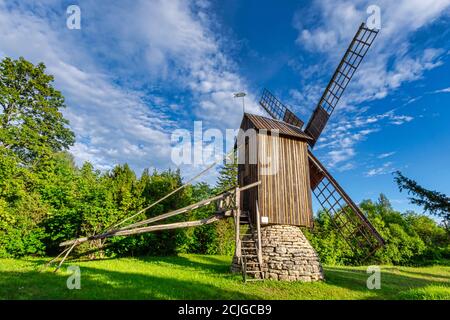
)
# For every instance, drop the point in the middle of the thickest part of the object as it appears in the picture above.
(285, 197)
(248, 197)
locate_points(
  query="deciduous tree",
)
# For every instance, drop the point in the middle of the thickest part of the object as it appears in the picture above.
(31, 122)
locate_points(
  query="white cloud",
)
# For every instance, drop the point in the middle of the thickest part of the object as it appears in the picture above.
(341, 137)
(113, 125)
(390, 62)
(305, 100)
(398, 120)
(384, 169)
(338, 20)
(337, 156)
(169, 43)
(181, 46)
(445, 90)
(386, 155)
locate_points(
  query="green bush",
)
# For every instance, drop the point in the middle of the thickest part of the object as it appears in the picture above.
(45, 198)
(411, 239)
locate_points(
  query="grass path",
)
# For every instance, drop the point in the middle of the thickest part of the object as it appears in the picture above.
(207, 277)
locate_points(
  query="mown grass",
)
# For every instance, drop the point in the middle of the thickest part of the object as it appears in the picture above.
(208, 277)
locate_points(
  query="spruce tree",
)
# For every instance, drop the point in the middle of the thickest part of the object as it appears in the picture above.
(224, 229)
(228, 174)
(433, 202)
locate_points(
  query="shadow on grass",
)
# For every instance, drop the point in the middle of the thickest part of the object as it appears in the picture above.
(392, 283)
(105, 284)
(201, 262)
(430, 275)
(197, 277)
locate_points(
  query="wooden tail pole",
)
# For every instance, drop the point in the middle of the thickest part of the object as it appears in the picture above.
(176, 212)
(118, 232)
(221, 213)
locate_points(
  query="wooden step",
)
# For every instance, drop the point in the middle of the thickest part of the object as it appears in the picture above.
(253, 271)
(250, 255)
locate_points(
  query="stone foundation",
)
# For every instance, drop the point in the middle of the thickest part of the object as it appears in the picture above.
(287, 255)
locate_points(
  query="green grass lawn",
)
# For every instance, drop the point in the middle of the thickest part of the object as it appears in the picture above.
(208, 277)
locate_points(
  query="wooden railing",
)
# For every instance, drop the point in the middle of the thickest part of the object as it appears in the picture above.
(258, 233)
(237, 223)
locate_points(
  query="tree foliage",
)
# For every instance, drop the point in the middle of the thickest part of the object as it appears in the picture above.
(223, 241)
(228, 174)
(411, 238)
(433, 202)
(45, 198)
(31, 122)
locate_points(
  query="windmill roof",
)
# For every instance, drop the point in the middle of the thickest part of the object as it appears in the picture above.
(284, 128)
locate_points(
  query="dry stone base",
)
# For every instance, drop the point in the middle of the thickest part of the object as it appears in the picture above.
(287, 255)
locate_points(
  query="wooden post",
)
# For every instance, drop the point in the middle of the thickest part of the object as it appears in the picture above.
(258, 232)
(237, 217)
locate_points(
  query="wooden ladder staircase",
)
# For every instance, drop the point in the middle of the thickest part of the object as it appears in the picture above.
(250, 255)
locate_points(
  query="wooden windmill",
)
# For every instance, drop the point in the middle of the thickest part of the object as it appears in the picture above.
(284, 196)
(274, 199)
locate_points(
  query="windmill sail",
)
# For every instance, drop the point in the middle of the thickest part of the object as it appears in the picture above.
(351, 223)
(341, 78)
(278, 110)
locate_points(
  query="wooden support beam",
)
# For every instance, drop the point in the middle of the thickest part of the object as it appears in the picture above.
(174, 213)
(132, 227)
(177, 225)
(66, 255)
(188, 208)
(170, 226)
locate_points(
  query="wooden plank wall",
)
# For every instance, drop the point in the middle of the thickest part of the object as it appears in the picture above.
(248, 197)
(285, 197)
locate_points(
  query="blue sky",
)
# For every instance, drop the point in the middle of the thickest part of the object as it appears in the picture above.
(138, 70)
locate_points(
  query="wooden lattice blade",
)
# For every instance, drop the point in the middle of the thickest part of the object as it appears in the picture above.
(348, 219)
(277, 110)
(355, 53)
